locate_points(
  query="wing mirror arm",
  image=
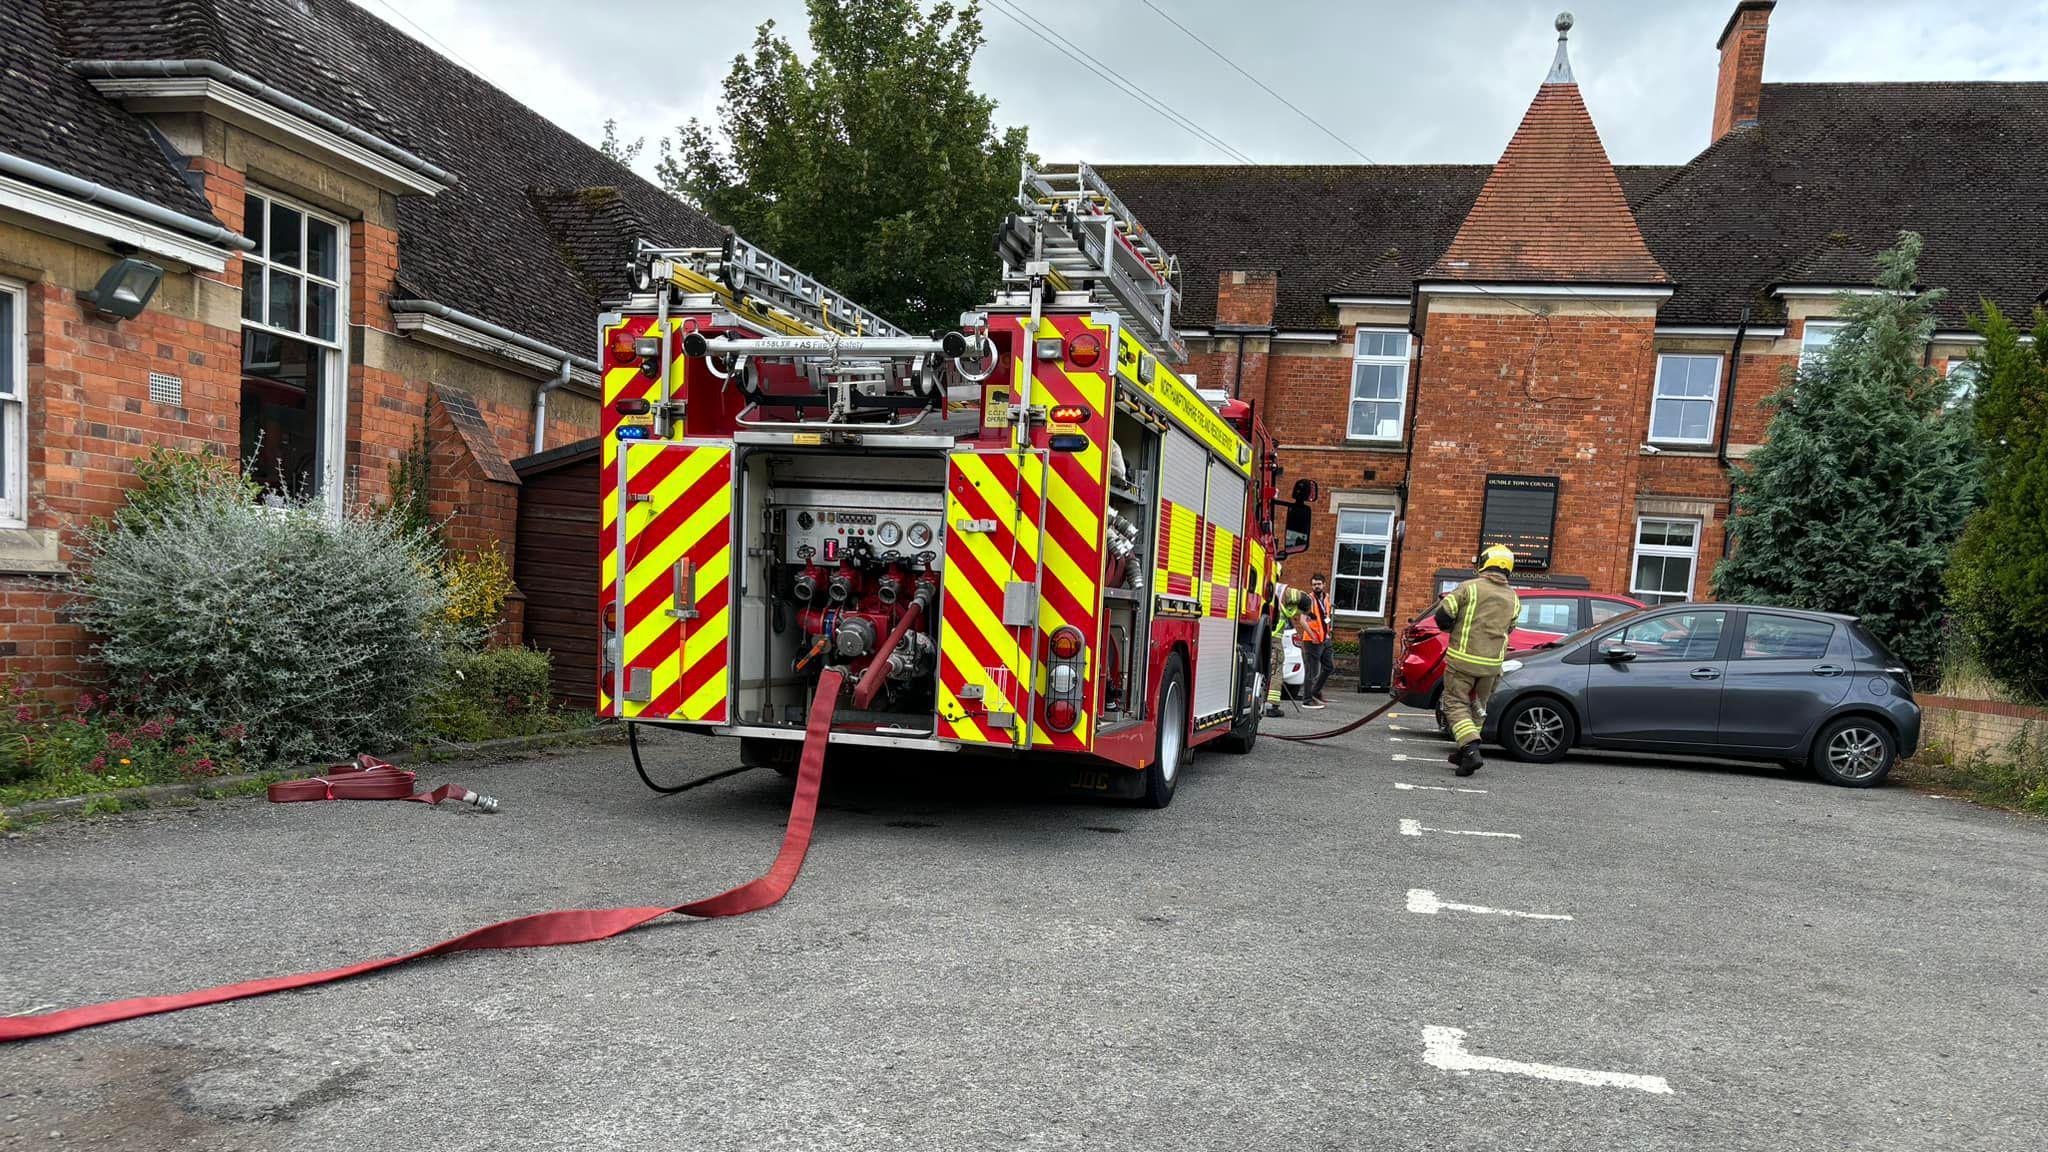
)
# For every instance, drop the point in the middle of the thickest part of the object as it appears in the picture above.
(1616, 653)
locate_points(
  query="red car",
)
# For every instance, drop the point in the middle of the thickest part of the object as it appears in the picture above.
(1548, 614)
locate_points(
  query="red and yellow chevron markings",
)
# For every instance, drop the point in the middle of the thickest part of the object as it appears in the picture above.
(1017, 491)
(677, 536)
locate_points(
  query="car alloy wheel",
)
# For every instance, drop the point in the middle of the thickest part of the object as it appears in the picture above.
(1857, 753)
(1539, 730)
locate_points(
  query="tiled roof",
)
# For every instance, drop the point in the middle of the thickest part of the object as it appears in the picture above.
(1552, 211)
(56, 119)
(1344, 229)
(469, 424)
(1833, 172)
(487, 245)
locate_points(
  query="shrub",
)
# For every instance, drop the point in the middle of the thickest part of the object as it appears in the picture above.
(478, 585)
(1998, 582)
(313, 633)
(169, 477)
(491, 694)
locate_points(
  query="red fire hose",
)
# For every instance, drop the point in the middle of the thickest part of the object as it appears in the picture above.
(543, 930)
(369, 778)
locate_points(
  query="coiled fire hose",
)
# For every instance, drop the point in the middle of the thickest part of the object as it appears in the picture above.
(542, 930)
(368, 778)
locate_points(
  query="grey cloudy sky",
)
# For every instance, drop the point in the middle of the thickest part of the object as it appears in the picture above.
(1441, 82)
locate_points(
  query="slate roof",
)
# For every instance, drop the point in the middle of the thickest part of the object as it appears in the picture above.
(1832, 173)
(1552, 211)
(1343, 229)
(56, 119)
(498, 244)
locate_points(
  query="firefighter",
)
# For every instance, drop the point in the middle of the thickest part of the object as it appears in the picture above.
(1291, 602)
(1314, 628)
(1477, 615)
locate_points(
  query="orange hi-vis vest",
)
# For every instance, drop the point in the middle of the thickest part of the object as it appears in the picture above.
(1314, 623)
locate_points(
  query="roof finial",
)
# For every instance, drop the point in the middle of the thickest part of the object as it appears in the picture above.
(1561, 67)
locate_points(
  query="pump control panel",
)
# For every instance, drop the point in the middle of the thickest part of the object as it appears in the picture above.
(819, 525)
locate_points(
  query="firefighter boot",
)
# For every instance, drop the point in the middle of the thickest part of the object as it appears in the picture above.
(1469, 760)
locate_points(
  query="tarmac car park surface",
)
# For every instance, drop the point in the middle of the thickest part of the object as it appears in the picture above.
(977, 965)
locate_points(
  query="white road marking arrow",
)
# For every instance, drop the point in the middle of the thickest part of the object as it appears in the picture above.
(1445, 1048)
(1437, 788)
(1424, 901)
(1415, 828)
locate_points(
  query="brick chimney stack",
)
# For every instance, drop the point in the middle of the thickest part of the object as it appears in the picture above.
(1740, 88)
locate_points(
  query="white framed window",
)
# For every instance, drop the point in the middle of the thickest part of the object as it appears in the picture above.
(1379, 384)
(1682, 406)
(294, 359)
(1963, 376)
(1666, 556)
(1816, 338)
(13, 404)
(1358, 573)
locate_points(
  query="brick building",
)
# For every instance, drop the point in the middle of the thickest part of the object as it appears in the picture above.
(1565, 353)
(360, 244)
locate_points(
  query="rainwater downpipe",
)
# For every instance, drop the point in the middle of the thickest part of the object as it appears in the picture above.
(1727, 417)
(540, 405)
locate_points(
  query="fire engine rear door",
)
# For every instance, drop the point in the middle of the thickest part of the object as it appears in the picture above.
(987, 645)
(671, 580)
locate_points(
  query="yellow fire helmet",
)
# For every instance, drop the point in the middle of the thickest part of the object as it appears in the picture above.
(1497, 556)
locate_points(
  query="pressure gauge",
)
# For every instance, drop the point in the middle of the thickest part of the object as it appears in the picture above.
(888, 534)
(920, 534)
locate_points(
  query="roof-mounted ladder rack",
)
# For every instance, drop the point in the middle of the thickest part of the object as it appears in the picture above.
(1071, 221)
(761, 287)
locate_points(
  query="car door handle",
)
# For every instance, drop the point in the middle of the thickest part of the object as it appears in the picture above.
(1706, 673)
(1828, 670)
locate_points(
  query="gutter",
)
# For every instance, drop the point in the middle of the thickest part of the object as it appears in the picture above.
(90, 193)
(215, 70)
(498, 331)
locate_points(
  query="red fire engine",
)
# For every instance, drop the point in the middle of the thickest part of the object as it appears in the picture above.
(1027, 537)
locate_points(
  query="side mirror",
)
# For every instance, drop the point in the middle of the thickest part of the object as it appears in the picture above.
(1307, 491)
(1295, 533)
(1616, 652)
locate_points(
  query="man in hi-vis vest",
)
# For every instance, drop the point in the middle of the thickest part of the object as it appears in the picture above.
(1477, 615)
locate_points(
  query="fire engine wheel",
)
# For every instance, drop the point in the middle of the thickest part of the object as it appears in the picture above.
(1170, 753)
(1244, 732)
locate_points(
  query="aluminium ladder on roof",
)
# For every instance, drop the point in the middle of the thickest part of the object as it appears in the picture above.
(1075, 224)
(752, 276)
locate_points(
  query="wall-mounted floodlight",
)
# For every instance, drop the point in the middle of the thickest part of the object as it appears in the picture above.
(124, 291)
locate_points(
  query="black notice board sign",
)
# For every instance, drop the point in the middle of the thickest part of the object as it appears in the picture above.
(1521, 512)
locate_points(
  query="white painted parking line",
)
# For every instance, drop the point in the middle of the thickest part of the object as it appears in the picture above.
(1445, 1048)
(1394, 739)
(1415, 828)
(1400, 755)
(1424, 901)
(1437, 788)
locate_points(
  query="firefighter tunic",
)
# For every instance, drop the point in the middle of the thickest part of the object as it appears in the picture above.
(1477, 616)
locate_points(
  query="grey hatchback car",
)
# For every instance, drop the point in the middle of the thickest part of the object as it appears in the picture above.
(1807, 689)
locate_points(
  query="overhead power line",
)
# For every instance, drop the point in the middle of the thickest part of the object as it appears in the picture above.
(1213, 51)
(1022, 17)
(429, 37)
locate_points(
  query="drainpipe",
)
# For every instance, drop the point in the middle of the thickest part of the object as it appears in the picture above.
(1727, 417)
(1415, 317)
(540, 405)
(91, 193)
(1237, 374)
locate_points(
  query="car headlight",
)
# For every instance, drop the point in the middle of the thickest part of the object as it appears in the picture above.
(1511, 666)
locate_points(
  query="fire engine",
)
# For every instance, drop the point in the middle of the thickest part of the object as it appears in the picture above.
(1027, 537)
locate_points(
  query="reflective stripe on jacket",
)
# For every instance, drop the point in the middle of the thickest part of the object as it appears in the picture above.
(1482, 611)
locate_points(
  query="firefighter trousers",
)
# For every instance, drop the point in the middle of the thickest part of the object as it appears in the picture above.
(1465, 693)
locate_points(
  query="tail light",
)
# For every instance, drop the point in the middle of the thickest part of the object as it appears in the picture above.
(1063, 679)
(1084, 349)
(611, 616)
(619, 350)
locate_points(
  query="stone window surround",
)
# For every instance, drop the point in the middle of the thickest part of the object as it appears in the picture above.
(1339, 501)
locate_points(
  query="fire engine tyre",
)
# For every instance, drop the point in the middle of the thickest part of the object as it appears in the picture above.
(1539, 729)
(1170, 753)
(1244, 731)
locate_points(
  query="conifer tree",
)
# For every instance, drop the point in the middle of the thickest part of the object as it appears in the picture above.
(1865, 478)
